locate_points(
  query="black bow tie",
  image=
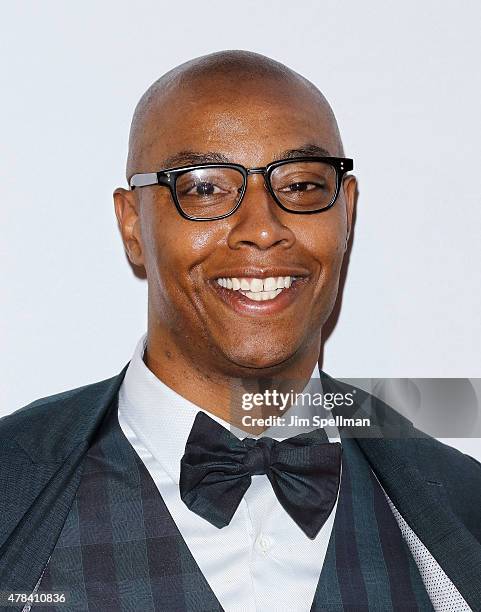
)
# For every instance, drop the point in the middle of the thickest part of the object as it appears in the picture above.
(216, 470)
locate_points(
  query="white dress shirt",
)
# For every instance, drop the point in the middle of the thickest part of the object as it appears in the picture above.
(262, 560)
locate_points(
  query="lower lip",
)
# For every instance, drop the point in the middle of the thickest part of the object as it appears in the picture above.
(243, 305)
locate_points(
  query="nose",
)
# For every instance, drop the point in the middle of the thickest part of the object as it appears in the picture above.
(258, 221)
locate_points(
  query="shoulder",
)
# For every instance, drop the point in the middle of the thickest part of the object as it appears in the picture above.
(50, 407)
(460, 475)
(58, 421)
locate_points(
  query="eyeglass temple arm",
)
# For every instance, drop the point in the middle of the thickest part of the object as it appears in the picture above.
(148, 179)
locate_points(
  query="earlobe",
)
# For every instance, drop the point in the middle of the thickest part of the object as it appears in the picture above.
(126, 211)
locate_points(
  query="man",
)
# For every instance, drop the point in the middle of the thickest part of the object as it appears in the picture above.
(148, 491)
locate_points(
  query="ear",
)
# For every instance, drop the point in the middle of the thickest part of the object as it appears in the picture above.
(126, 210)
(349, 186)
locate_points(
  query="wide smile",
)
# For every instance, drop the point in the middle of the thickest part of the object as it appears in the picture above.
(260, 294)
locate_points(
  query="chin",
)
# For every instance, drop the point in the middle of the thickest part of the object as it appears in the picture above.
(258, 359)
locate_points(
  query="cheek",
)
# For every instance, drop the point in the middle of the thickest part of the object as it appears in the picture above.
(162, 251)
(325, 240)
(325, 243)
(173, 247)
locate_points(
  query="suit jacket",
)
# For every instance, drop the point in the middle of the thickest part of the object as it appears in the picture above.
(43, 446)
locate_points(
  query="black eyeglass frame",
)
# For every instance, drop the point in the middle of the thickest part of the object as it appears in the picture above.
(168, 178)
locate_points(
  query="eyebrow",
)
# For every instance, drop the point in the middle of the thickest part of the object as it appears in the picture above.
(307, 150)
(187, 158)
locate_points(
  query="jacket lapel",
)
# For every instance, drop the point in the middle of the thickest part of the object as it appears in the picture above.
(393, 448)
(40, 474)
(439, 529)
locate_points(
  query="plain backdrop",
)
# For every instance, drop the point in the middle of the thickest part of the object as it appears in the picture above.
(404, 81)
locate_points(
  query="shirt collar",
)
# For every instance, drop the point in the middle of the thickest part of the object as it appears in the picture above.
(161, 419)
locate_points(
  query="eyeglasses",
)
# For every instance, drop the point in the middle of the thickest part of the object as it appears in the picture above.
(206, 192)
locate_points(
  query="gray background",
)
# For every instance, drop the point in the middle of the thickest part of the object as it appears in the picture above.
(404, 81)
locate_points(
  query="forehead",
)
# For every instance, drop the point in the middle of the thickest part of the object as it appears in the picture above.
(248, 122)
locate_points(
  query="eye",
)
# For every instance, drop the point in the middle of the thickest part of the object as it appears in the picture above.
(301, 186)
(203, 188)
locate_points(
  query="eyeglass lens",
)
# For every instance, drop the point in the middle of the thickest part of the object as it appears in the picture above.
(299, 186)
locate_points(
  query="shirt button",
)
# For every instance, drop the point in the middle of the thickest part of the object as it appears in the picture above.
(263, 543)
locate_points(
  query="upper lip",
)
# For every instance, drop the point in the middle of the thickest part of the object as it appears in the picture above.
(261, 272)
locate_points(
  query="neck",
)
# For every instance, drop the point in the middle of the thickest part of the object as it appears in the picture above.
(224, 391)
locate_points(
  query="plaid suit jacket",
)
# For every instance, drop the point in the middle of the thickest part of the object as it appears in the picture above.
(43, 448)
(120, 548)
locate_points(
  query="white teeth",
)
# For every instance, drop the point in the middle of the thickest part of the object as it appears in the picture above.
(261, 296)
(256, 284)
(270, 284)
(257, 289)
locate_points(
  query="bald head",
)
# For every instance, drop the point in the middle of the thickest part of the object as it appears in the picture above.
(225, 78)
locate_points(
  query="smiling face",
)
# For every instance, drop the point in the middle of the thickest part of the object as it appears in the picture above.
(253, 290)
